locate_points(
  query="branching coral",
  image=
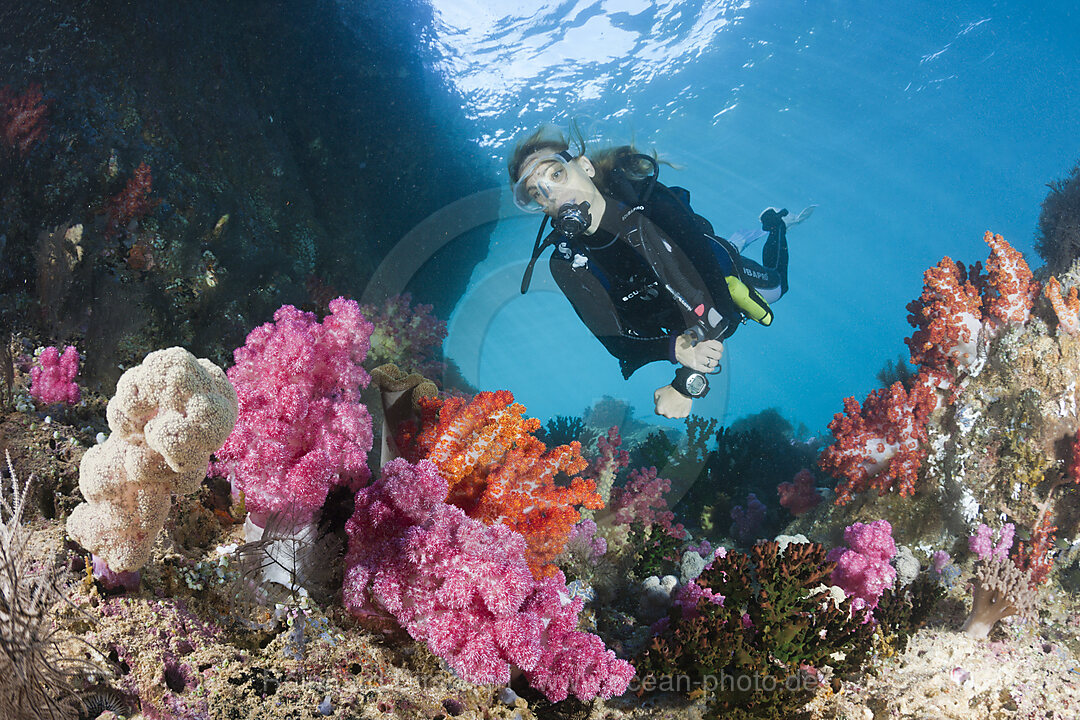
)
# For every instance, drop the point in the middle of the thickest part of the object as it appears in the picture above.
(39, 674)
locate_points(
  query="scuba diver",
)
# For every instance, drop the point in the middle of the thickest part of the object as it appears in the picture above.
(648, 276)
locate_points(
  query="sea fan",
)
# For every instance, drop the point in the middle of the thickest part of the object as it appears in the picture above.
(38, 675)
(273, 568)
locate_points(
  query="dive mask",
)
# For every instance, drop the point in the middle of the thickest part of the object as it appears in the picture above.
(540, 181)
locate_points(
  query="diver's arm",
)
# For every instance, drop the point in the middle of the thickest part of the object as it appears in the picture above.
(596, 310)
(695, 237)
(704, 356)
(701, 295)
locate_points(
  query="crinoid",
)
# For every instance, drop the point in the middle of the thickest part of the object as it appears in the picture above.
(38, 673)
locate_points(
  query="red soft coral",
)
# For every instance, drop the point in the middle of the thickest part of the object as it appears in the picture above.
(947, 317)
(880, 444)
(800, 495)
(1010, 288)
(1066, 308)
(23, 118)
(131, 203)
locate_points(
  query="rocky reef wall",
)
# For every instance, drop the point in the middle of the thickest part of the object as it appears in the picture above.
(188, 168)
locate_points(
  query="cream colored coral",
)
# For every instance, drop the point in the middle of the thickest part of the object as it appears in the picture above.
(167, 416)
(1001, 590)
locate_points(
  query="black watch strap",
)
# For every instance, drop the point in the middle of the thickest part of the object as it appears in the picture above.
(690, 383)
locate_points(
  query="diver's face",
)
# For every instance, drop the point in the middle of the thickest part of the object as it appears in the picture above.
(552, 181)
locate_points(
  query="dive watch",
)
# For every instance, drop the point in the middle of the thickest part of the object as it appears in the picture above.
(690, 383)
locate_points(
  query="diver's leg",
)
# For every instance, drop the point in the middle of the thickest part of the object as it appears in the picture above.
(767, 281)
(774, 254)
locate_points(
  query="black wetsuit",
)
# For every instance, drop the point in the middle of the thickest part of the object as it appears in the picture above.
(647, 275)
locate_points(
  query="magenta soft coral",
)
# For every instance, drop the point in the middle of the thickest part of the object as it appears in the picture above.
(863, 569)
(302, 428)
(53, 379)
(466, 590)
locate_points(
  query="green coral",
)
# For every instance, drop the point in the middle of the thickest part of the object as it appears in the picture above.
(900, 612)
(776, 620)
(658, 553)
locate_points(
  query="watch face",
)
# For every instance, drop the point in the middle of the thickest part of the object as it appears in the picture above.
(695, 384)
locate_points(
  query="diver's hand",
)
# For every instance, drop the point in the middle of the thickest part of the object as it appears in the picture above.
(703, 357)
(671, 403)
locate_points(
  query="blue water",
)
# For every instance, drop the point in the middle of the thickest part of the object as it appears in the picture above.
(914, 127)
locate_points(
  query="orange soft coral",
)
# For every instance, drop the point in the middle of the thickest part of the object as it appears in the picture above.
(1067, 309)
(500, 473)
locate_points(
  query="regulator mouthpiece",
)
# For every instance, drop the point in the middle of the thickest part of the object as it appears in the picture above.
(573, 220)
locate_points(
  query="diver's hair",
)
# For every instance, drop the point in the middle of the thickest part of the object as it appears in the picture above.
(626, 157)
(545, 138)
(604, 160)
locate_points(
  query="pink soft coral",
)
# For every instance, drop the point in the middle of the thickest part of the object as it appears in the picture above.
(863, 569)
(53, 380)
(466, 590)
(302, 429)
